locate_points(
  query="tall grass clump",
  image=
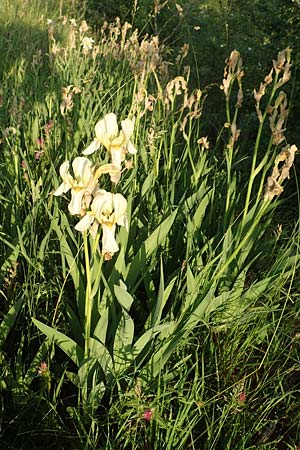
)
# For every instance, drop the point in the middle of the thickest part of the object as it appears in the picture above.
(149, 296)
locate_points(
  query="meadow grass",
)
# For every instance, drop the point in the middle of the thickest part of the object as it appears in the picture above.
(187, 336)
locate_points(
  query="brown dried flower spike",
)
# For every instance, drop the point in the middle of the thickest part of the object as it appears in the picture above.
(279, 174)
(233, 70)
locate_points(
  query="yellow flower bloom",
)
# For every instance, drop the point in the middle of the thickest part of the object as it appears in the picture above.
(84, 182)
(116, 141)
(108, 210)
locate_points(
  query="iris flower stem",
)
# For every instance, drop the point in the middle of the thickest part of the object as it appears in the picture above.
(254, 172)
(88, 300)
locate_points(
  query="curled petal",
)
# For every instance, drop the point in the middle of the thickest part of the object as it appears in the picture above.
(107, 129)
(84, 223)
(94, 229)
(105, 168)
(75, 205)
(91, 148)
(131, 148)
(62, 189)
(67, 179)
(82, 170)
(123, 221)
(117, 157)
(127, 128)
(64, 169)
(120, 206)
(101, 202)
(109, 244)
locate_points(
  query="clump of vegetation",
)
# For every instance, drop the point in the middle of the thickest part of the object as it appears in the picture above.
(149, 293)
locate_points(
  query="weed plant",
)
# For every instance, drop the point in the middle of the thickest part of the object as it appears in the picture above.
(180, 331)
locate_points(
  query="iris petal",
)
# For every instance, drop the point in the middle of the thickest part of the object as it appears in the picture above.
(109, 243)
(91, 148)
(84, 223)
(75, 205)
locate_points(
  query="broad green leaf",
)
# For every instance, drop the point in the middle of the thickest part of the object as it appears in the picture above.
(85, 371)
(70, 257)
(160, 357)
(200, 212)
(151, 244)
(122, 353)
(95, 397)
(162, 297)
(148, 183)
(141, 343)
(101, 326)
(123, 297)
(73, 377)
(8, 321)
(100, 352)
(73, 350)
(192, 288)
(41, 253)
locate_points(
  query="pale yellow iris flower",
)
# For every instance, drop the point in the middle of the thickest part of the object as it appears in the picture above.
(116, 141)
(83, 184)
(108, 210)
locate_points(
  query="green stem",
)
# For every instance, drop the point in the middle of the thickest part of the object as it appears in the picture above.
(229, 158)
(88, 300)
(255, 153)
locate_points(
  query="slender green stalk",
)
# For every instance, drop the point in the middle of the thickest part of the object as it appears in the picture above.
(88, 300)
(229, 158)
(253, 172)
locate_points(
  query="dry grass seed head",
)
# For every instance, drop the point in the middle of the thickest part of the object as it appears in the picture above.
(67, 94)
(278, 116)
(233, 70)
(280, 172)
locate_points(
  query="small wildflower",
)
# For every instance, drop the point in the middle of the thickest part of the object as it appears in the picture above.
(87, 43)
(40, 142)
(200, 404)
(147, 415)
(45, 375)
(37, 155)
(242, 398)
(43, 369)
(48, 127)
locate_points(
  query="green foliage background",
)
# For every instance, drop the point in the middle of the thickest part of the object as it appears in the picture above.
(196, 319)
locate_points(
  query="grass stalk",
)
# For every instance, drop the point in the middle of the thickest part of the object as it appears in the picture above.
(253, 171)
(88, 299)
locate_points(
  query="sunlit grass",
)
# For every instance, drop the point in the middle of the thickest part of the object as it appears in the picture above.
(186, 334)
